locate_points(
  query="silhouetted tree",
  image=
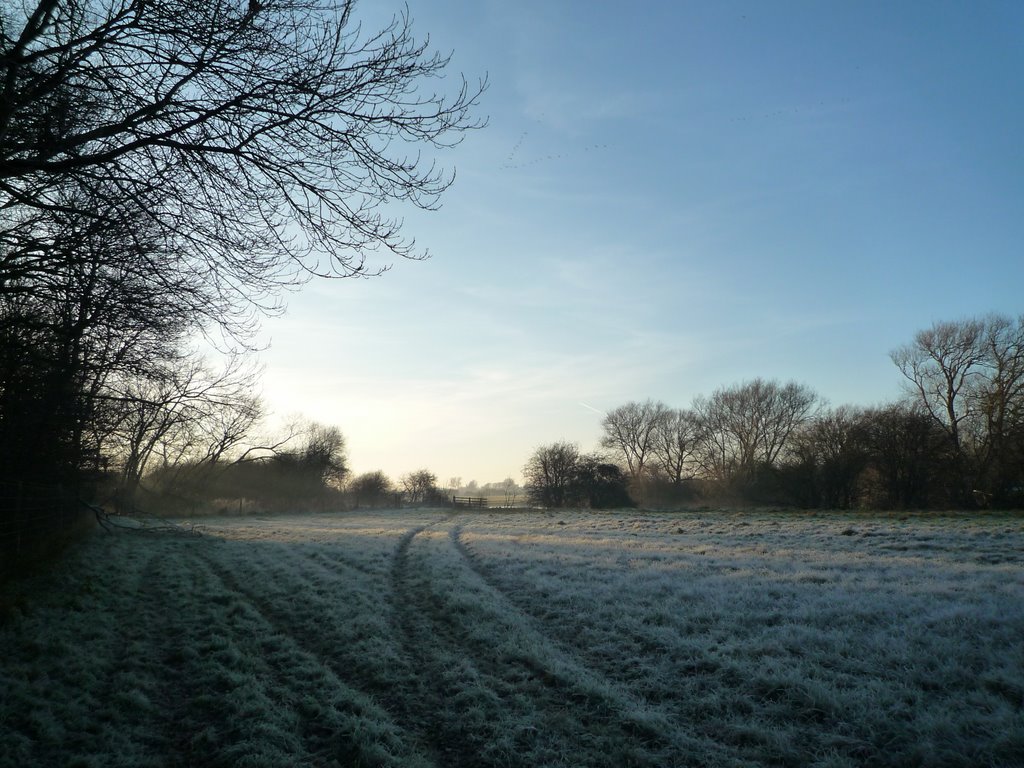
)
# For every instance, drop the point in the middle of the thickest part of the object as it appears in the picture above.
(420, 487)
(182, 412)
(171, 165)
(676, 439)
(84, 309)
(744, 428)
(258, 137)
(558, 475)
(372, 489)
(631, 431)
(908, 459)
(826, 459)
(321, 454)
(968, 376)
(599, 484)
(550, 473)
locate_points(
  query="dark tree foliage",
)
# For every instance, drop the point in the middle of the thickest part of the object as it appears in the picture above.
(371, 489)
(631, 430)
(558, 475)
(599, 484)
(908, 460)
(550, 474)
(306, 468)
(420, 487)
(826, 461)
(745, 429)
(968, 377)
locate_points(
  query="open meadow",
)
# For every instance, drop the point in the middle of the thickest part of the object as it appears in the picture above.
(424, 638)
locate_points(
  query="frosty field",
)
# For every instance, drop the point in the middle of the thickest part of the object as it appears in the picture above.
(421, 638)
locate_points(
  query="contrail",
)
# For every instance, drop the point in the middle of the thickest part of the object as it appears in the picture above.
(591, 408)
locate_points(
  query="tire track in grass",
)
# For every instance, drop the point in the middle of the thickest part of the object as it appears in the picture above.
(365, 664)
(160, 700)
(569, 668)
(94, 687)
(207, 671)
(238, 709)
(175, 691)
(355, 729)
(500, 692)
(541, 621)
(436, 693)
(436, 735)
(596, 666)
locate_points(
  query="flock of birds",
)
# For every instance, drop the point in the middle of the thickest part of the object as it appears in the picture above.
(513, 161)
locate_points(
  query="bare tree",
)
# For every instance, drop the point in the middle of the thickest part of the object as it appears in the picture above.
(630, 430)
(1002, 460)
(173, 166)
(168, 414)
(827, 457)
(419, 486)
(509, 490)
(550, 473)
(968, 376)
(82, 307)
(262, 138)
(676, 439)
(322, 454)
(943, 366)
(747, 426)
(906, 454)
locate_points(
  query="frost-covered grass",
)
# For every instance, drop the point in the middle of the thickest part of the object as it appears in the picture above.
(525, 639)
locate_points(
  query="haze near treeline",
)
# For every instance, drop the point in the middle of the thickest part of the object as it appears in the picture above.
(666, 201)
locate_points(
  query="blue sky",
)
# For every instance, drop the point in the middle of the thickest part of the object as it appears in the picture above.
(668, 199)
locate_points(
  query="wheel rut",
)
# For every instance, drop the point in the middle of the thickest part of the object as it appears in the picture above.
(176, 691)
(495, 684)
(441, 739)
(338, 740)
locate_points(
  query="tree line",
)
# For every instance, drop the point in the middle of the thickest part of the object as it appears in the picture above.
(168, 171)
(955, 440)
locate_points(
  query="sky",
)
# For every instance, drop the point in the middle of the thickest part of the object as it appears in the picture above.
(669, 198)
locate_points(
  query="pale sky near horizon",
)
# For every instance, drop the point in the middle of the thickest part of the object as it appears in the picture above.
(671, 197)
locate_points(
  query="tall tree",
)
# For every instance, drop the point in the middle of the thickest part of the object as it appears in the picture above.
(262, 136)
(599, 484)
(176, 413)
(746, 427)
(907, 458)
(631, 431)
(676, 438)
(371, 489)
(968, 377)
(550, 474)
(420, 486)
(827, 458)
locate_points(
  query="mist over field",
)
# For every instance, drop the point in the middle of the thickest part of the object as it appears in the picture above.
(430, 638)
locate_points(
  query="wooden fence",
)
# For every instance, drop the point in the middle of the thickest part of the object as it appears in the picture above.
(473, 502)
